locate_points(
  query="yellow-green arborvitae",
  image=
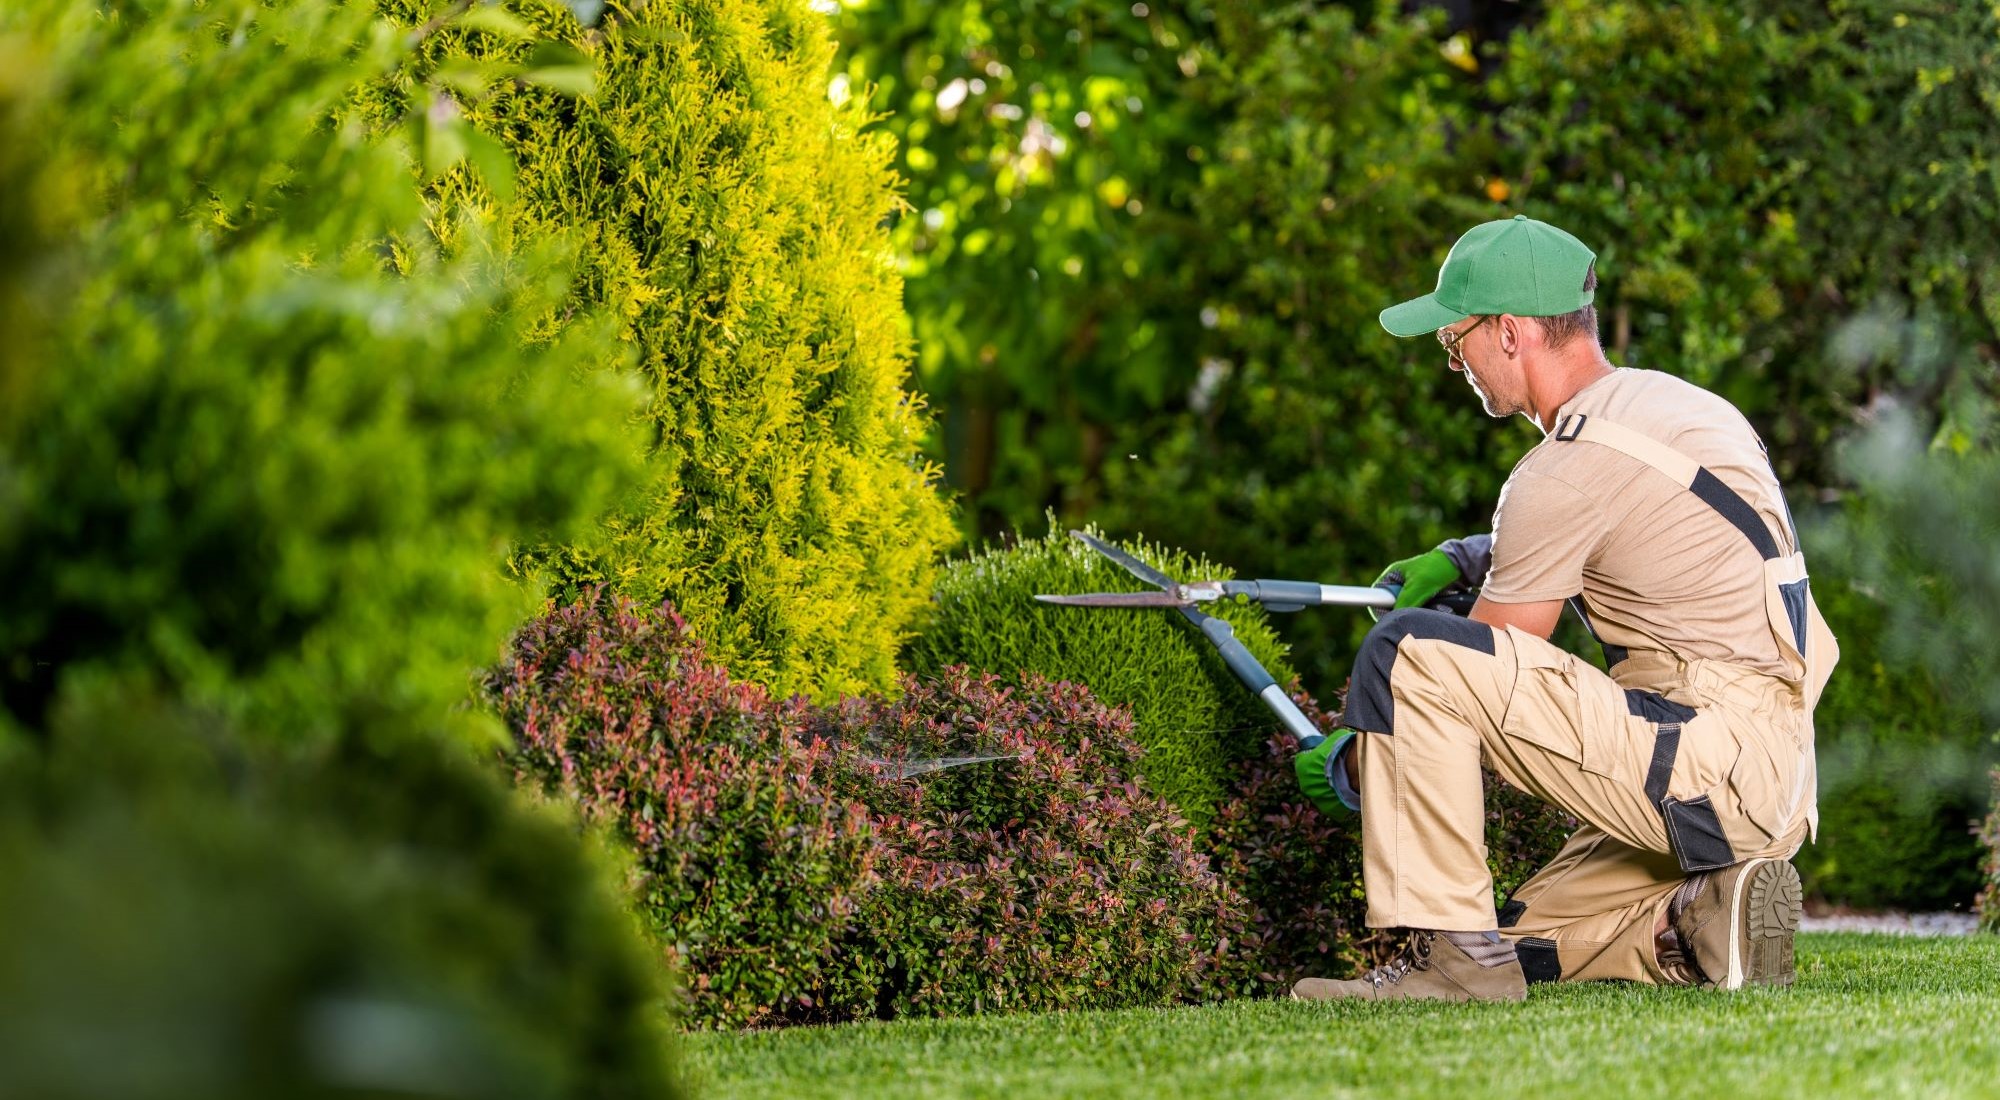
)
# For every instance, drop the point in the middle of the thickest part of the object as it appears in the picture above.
(732, 214)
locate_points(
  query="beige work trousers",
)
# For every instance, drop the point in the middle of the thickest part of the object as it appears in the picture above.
(1668, 782)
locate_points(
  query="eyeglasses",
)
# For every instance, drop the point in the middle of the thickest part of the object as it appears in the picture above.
(1450, 341)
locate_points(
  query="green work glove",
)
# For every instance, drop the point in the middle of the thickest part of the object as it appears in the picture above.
(1422, 577)
(1311, 766)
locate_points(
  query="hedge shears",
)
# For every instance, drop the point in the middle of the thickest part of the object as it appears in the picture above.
(1186, 599)
(1274, 595)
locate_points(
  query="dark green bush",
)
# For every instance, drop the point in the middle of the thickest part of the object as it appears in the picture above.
(1908, 731)
(1189, 714)
(728, 216)
(187, 916)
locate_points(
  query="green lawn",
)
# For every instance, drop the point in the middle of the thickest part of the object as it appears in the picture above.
(1871, 1015)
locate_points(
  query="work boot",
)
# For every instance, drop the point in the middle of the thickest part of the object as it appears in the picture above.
(1433, 966)
(1734, 927)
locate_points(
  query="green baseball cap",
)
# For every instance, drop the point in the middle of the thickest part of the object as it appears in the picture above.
(1515, 265)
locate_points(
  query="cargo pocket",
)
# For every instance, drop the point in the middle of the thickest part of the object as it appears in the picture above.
(1554, 708)
(1695, 835)
(1543, 708)
(1734, 820)
(1758, 787)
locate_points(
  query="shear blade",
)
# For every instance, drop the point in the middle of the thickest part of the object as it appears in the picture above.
(1118, 599)
(1130, 564)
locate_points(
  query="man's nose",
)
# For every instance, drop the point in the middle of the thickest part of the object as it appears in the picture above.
(1454, 362)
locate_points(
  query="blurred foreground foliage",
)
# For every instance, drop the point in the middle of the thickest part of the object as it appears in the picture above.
(1923, 526)
(264, 454)
(268, 447)
(727, 222)
(193, 915)
(1148, 242)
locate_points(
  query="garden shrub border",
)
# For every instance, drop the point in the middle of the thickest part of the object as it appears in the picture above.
(792, 878)
(795, 875)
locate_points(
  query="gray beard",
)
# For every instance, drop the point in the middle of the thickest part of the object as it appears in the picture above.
(1485, 399)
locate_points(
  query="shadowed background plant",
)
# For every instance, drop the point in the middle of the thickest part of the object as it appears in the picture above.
(1921, 523)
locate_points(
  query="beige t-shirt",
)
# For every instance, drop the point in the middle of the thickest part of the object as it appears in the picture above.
(1658, 568)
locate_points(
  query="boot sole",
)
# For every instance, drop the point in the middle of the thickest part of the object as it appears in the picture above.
(1766, 908)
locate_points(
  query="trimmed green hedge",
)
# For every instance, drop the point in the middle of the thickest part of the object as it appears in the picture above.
(728, 217)
(1192, 717)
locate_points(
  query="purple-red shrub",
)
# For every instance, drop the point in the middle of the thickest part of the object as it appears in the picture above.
(747, 866)
(1301, 870)
(1050, 879)
(794, 876)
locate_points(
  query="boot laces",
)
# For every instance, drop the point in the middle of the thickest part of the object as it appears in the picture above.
(1677, 958)
(1415, 955)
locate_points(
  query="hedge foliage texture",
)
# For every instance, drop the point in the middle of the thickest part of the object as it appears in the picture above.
(728, 218)
(1054, 879)
(814, 864)
(1192, 717)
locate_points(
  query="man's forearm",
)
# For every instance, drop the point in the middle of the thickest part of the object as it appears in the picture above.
(1473, 555)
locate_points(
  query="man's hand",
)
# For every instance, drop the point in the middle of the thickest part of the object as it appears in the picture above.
(1315, 766)
(1422, 578)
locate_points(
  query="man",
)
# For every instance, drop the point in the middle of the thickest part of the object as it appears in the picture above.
(1651, 503)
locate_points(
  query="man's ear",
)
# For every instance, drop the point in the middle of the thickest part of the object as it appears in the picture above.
(1513, 334)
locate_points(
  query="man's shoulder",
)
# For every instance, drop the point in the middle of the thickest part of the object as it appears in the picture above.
(1670, 409)
(1653, 402)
